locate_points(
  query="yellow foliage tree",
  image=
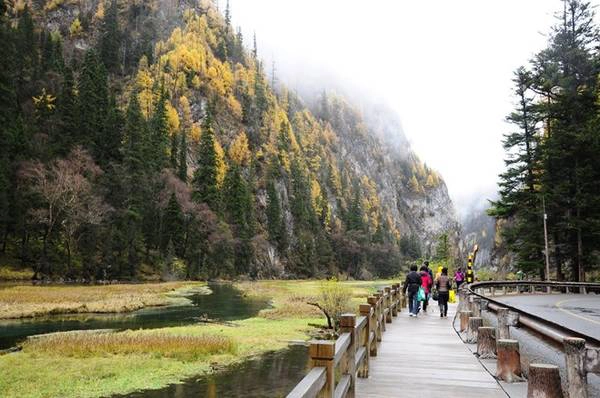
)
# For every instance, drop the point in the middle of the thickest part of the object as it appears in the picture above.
(172, 118)
(430, 181)
(239, 151)
(315, 196)
(76, 29)
(221, 165)
(145, 83)
(414, 184)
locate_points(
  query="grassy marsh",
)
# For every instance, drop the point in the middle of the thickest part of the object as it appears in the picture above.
(28, 301)
(75, 365)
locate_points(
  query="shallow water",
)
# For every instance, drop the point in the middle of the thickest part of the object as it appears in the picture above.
(224, 303)
(273, 374)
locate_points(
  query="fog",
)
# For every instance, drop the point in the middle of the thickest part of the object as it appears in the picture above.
(444, 66)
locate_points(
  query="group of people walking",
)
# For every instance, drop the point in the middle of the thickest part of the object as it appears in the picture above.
(421, 286)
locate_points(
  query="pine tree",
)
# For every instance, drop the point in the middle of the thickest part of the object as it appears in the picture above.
(182, 170)
(134, 149)
(110, 38)
(355, 213)
(205, 177)
(300, 201)
(173, 226)
(227, 15)
(110, 145)
(27, 61)
(159, 134)
(173, 155)
(67, 110)
(275, 222)
(93, 102)
(239, 206)
(567, 77)
(520, 198)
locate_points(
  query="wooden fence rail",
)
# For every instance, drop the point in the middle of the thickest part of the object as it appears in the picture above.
(335, 365)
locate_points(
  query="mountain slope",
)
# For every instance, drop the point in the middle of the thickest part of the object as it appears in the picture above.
(202, 169)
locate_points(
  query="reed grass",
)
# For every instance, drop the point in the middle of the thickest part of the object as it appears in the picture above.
(34, 301)
(155, 344)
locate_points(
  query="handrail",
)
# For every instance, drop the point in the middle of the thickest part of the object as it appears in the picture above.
(551, 330)
(350, 352)
(581, 351)
(310, 386)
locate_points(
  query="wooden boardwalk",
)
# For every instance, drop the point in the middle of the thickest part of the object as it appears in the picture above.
(423, 357)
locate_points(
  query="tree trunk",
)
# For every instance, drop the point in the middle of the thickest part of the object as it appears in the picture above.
(544, 381)
(475, 323)
(486, 342)
(509, 361)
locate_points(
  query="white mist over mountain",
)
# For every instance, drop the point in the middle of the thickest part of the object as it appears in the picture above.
(444, 67)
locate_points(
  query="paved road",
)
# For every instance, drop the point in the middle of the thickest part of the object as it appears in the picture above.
(577, 312)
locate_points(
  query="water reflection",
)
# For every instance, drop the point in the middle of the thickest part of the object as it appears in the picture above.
(225, 303)
(271, 375)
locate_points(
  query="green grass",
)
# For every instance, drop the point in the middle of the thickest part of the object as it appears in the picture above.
(8, 273)
(123, 363)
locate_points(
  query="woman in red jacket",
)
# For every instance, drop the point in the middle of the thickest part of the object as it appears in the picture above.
(426, 283)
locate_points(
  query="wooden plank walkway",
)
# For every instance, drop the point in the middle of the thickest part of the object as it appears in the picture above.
(423, 357)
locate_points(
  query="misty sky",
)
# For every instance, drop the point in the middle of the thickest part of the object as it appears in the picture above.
(444, 66)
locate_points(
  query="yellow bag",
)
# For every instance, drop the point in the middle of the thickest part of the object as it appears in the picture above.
(452, 298)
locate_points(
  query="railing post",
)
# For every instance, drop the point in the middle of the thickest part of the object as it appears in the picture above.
(464, 320)
(503, 327)
(366, 311)
(575, 364)
(322, 353)
(492, 291)
(396, 302)
(476, 306)
(508, 367)
(373, 301)
(388, 304)
(380, 306)
(544, 381)
(347, 325)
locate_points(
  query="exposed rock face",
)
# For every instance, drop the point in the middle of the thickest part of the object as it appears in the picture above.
(428, 212)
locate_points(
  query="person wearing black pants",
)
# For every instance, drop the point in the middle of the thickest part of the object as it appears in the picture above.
(412, 284)
(443, 285)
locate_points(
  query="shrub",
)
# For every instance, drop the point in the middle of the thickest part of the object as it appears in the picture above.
(334, 300)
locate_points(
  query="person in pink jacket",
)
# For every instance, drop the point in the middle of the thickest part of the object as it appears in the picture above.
(426, 283)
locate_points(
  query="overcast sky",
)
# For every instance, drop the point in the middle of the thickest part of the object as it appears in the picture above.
(444, 66)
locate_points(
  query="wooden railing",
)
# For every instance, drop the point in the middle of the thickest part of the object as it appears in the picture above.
(335, 365)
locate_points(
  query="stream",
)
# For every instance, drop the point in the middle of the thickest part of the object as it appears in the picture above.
(225, 303)
(273, 374)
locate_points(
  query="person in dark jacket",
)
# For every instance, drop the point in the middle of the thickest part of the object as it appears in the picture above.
(411, 285)
(443, 284)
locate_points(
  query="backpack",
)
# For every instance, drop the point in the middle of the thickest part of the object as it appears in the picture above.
(458, 277)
